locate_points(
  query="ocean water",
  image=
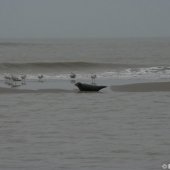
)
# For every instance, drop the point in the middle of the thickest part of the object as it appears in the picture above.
(65, 129)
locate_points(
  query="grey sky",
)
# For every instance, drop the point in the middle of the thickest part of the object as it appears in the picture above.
(84, 18)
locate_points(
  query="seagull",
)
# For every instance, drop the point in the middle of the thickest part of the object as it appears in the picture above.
(40, 77)
(15, 79)
(8, 79)
(72, 75)
(93, 77)
(23, 78)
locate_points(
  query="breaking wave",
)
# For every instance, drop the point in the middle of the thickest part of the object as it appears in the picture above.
(61, 70)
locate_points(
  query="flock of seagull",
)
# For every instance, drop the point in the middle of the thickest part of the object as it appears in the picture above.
(73, 76)
(18, 80)
(13, 80)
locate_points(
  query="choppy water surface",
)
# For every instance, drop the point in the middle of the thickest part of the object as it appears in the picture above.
(83, 131)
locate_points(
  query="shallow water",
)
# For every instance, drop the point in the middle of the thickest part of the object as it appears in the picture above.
(84, 131)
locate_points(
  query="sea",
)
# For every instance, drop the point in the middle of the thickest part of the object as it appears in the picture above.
(49, 124)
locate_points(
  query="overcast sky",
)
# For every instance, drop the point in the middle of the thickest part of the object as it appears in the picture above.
(84, 18)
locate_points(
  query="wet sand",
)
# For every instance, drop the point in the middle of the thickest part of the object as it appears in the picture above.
(143, 87)
(13, 90)
(63, 87)
(38, 87)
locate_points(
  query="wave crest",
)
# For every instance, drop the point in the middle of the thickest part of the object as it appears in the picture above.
(58, 66)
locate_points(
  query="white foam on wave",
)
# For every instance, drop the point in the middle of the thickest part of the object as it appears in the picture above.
(151, 72)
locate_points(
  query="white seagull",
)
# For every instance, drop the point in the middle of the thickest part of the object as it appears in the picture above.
(93, 77)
